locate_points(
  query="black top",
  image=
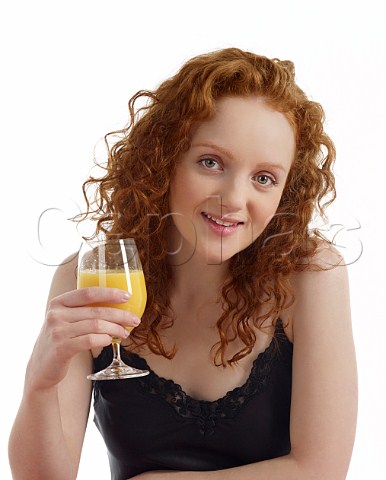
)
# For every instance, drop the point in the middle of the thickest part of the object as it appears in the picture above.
(150, 423)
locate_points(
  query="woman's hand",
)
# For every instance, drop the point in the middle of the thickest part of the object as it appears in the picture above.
(75, 323)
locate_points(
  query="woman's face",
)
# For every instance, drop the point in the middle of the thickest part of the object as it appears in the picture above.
(228, 185)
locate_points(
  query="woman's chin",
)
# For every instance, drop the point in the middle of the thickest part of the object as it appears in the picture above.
(218, 257)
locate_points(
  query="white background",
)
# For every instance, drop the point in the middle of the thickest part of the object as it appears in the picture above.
(68, 70)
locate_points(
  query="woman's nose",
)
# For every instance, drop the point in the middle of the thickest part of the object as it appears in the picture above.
(234, 193)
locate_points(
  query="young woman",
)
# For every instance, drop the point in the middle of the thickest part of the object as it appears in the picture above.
(247, 330)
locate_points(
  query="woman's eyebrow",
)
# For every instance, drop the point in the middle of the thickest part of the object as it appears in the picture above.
(229, 154)
(222, 150)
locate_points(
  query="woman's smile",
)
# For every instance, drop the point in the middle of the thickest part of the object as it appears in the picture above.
(222, 225)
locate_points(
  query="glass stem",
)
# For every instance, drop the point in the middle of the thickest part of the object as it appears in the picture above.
(116, 344)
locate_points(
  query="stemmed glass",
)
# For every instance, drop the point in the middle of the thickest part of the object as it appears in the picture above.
(114, 263)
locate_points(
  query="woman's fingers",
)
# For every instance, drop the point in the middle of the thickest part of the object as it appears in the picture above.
(91, 295)
(96, 327)
(89, 304)
(87, 342)
(95, 312)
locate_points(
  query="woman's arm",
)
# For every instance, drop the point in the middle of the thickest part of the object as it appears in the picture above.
(325, 389)
(324, 393)
(38, 447)
(47, 435)
(46, 441)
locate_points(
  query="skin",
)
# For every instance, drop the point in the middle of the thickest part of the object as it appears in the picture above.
(228, 180)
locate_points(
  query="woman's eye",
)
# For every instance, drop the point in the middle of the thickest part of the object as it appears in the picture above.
(209, 163)
(264, 179)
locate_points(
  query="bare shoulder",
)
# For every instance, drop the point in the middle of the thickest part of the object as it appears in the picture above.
(320, 290)
(65, 276)
(324, 280)
(322, 299)
(326, 257)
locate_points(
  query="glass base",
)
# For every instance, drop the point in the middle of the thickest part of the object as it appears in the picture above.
(118, 372)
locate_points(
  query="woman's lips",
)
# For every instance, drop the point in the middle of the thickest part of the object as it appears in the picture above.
(222, 226)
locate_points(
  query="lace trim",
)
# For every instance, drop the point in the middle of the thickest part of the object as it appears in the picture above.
(206, 413)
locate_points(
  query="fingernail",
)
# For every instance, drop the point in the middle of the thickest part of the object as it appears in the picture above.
(125, 295)
(136, 320)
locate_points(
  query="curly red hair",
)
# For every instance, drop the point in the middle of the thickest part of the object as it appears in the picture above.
(132, 197)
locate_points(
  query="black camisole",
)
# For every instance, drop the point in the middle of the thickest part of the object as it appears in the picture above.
(150, 423)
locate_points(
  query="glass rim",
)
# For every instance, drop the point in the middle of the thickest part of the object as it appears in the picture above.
(101, 241)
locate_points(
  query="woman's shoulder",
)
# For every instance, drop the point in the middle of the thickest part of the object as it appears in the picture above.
(326, 265)
(65, 276)
(326, 256)
(320, 288)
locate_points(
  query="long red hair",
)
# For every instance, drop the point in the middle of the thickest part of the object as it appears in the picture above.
(132, 197)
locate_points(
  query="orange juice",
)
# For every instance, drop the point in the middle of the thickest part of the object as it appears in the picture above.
(118, 279)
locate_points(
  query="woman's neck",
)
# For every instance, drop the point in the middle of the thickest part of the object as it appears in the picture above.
(196, 281)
